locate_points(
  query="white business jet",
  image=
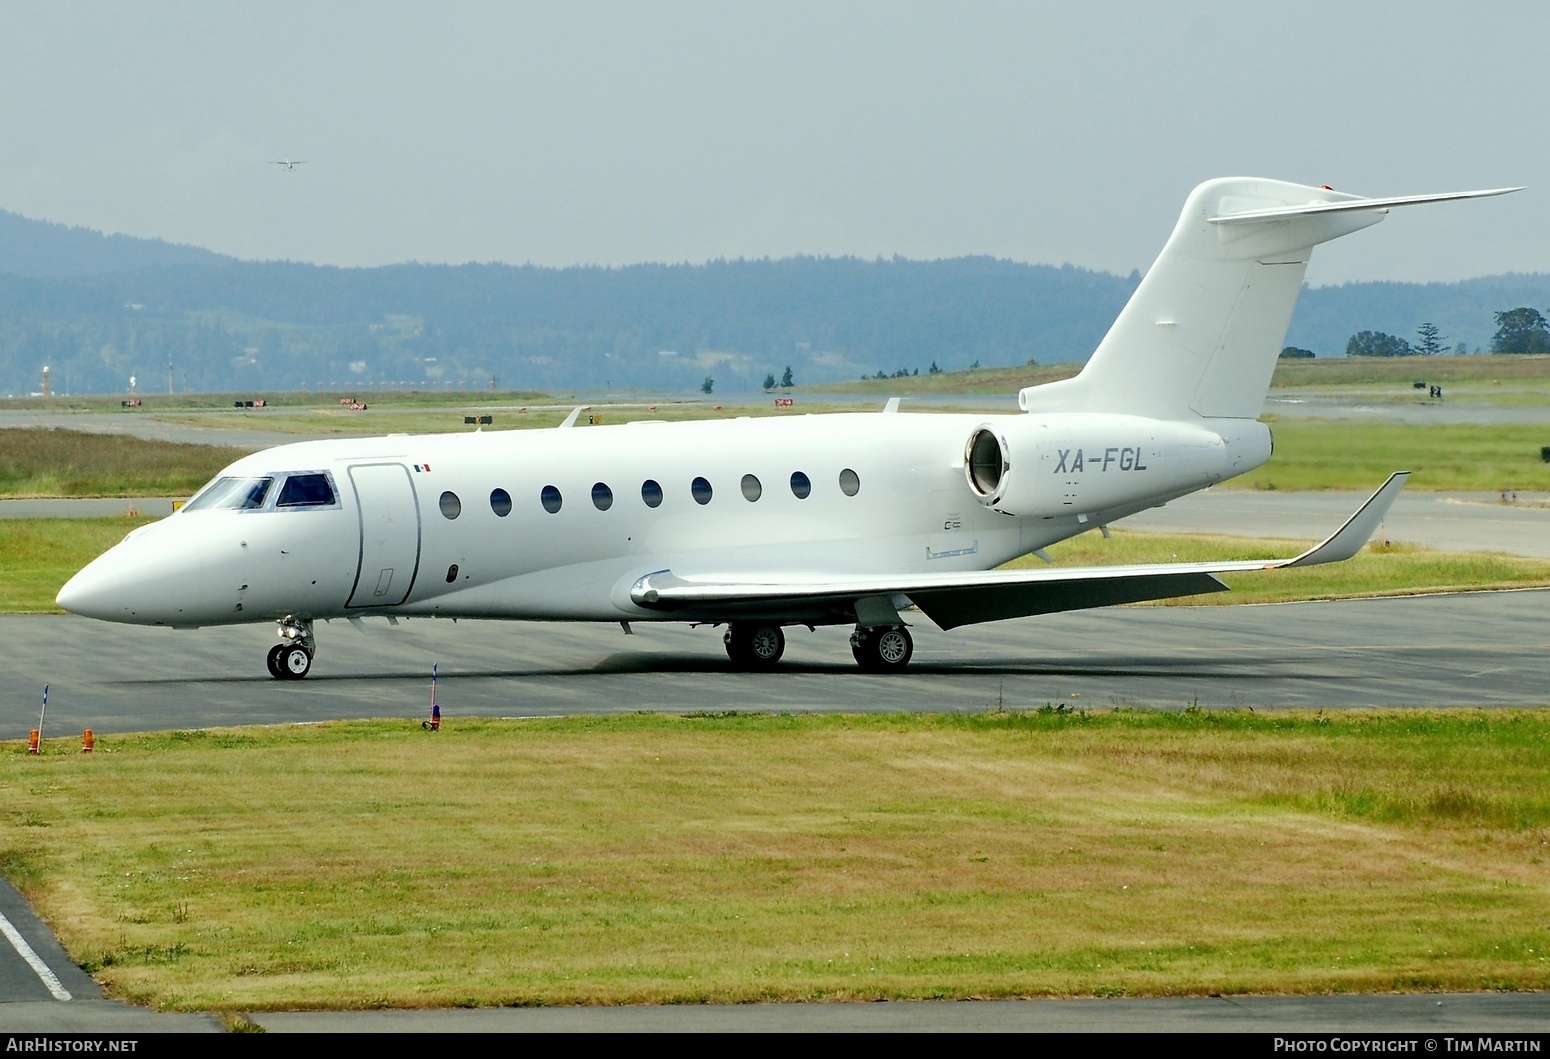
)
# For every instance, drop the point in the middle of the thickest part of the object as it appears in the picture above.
(758, 524)
(289, 165)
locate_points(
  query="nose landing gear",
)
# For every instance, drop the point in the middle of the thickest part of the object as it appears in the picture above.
(291, 658)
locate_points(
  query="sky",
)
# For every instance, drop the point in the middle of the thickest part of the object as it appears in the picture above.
(616, 133)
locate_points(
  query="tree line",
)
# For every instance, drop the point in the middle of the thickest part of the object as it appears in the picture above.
(1520, 330)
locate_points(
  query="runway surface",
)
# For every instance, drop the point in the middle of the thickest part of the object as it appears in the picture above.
(1472, 649)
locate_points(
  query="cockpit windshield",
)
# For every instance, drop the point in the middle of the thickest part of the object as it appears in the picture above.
(231, 494)
(306, 490)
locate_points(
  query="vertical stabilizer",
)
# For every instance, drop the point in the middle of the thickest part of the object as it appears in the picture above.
(1201, 334)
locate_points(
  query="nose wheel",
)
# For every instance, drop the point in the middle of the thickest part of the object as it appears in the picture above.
(882, 649)
(291, 658)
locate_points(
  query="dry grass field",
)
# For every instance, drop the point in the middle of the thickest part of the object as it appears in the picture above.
(731, 858)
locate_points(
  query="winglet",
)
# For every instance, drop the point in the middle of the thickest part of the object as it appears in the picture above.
(575, 414)
(1358, 530)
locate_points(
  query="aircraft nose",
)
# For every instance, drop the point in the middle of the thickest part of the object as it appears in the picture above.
(149, 578)
(97, 591)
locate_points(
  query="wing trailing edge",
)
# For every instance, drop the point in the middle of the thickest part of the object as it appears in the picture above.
(955, 599)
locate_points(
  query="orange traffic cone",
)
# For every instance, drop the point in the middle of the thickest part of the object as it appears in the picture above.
(32, 742)
(88, 740)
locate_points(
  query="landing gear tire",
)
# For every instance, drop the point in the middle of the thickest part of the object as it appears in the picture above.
(886, 649)
(294, 661)
(291, 658)
(754, 646)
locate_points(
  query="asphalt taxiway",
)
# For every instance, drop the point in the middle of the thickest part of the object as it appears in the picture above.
(1487, 649)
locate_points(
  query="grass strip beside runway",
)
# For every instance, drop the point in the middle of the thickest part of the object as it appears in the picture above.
(45, 462)
(37, 556)
(727, 858)
(1377, 570)
(1443, 457)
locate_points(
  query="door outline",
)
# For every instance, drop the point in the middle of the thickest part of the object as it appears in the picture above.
(360, 518)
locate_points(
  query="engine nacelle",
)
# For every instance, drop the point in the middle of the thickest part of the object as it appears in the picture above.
(1046, 466)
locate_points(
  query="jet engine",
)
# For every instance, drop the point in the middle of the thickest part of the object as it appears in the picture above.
(1046, 466)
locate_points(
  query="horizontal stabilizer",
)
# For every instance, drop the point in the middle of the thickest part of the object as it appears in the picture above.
(1281, 213)
(953, 599)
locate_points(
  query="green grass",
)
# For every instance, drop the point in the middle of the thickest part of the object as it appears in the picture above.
(1353, 454)
(37, 556)
(1377, 570)
(734, 858)
(1363, 373)
(46, 463)
(1400, 372)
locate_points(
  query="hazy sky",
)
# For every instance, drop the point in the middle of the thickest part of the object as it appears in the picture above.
(565, 133)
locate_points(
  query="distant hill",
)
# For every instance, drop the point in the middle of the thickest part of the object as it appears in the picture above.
(1327, 316)
(99, 309)
(42, 248)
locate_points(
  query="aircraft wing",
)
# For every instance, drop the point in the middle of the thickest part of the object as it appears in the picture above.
(953, 599)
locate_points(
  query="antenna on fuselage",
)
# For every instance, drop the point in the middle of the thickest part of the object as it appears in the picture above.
(575, 414)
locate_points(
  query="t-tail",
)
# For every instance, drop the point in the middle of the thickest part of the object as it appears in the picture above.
(1200, 336)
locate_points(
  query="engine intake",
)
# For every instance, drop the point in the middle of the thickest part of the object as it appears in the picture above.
(986, 463)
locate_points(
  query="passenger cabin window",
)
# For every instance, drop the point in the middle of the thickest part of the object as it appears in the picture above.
(551, 499)
(602, 497)
(451, 506)
(231, 494)
(651, 493)
(752, 490)
(850, 482)
(800, 486)
(306, 490)
(500, 502)
(701, 490)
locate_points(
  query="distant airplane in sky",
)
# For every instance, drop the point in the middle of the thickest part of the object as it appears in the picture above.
(761, 524)
(290, 165)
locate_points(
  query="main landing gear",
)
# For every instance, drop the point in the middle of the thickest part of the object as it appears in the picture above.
(755, 645)
(291, 658)
(882, 648)
(751, 645)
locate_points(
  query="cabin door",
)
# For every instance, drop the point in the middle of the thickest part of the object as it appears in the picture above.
(390, 535)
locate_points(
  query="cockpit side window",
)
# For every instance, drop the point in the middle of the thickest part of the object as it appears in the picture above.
(231, 494)
(306, 490)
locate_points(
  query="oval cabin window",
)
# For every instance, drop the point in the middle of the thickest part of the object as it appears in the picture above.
(500, 502)
(752, 490)
(800, 486)
(451, 506)
(701, 490)
(602, 497)
(850, 482)
(551, 499)
(651, 493)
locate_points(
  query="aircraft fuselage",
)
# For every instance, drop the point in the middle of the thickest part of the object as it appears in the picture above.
(459, 525)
